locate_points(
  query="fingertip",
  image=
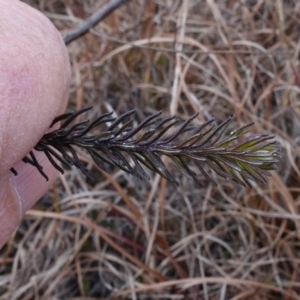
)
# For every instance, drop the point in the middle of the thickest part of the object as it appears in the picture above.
(34, 79)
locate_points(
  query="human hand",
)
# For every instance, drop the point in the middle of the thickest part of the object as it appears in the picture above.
(34, 85)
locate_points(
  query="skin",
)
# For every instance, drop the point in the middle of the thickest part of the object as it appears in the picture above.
(34, 85)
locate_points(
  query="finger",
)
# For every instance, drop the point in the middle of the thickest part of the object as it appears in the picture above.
(34, 84)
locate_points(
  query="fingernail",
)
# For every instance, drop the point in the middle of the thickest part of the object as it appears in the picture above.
(29, 184)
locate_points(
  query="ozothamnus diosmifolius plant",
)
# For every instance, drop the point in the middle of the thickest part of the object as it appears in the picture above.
(194, 149)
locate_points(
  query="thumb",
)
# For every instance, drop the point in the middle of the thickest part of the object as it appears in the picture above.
(34, 84)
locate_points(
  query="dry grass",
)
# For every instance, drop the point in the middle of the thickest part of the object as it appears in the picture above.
(127, 239)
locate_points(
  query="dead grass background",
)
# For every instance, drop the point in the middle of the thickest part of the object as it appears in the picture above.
(126, 239)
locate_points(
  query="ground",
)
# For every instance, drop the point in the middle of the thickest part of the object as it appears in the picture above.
(123, 238)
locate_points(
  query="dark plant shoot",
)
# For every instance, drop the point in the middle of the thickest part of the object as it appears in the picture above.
(193, 149)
